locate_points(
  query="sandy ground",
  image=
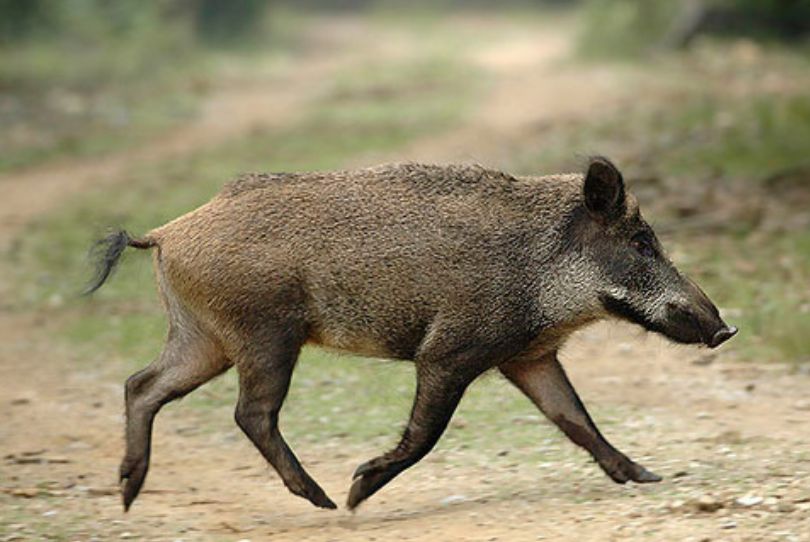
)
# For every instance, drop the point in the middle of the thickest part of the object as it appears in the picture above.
(732, 440)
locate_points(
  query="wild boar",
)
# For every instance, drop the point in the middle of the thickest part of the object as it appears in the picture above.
(459, 269)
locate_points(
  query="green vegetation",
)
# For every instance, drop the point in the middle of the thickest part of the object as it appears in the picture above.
(79, 78)
(636, 27)
(754, 137)
(86, 77)
(625, 27)
(764, 282)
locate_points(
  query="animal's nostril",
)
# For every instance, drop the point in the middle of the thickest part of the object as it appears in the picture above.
(722, 335)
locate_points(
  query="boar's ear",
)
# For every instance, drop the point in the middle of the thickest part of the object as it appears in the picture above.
(604, 189)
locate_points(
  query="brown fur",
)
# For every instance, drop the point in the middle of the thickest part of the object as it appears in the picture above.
(458, 268)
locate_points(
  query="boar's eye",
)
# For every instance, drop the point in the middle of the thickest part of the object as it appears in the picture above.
(643, 245)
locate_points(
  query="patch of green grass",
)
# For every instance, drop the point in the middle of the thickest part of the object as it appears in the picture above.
(625, 27)
(111, 77)
(751, 137)
(704, 134)
(93, 85)
(767, 297)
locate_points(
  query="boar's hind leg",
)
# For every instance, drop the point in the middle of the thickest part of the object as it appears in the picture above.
(264, 378)
(438, 392)
(188, 360)
(544, 381)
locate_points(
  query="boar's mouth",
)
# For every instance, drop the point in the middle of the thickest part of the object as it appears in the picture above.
(681, 325)
(624, 310)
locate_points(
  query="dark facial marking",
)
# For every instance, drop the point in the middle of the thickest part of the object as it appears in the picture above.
(624, 310)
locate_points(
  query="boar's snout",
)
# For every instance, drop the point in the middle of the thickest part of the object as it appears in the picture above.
(698, 321)
(722, 335)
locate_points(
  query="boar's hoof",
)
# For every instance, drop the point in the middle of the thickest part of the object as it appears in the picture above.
(322, 501)
(357, 494)
(644, 476)
(361, 489)
(319, 498)
(368, 466)
(625, 470)
(132, 475)
(368, 482)
(311, 491)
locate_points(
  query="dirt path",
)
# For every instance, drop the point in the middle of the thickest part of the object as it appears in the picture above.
(536, 87)
(732, 440)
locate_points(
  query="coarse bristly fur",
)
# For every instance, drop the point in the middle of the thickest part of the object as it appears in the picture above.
(457, 268)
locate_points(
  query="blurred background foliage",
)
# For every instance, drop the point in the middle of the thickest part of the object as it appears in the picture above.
(634, 27)
(136, 65)
(83, 22)
(720, 157)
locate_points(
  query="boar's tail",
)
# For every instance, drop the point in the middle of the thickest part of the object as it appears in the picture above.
(107, 251)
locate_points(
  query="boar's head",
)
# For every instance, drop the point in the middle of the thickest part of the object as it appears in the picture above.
(636, 281)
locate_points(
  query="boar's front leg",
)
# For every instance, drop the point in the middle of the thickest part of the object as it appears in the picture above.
(544, 381)
(438, 392)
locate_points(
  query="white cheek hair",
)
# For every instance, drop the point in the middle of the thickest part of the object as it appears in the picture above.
(618, 292)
